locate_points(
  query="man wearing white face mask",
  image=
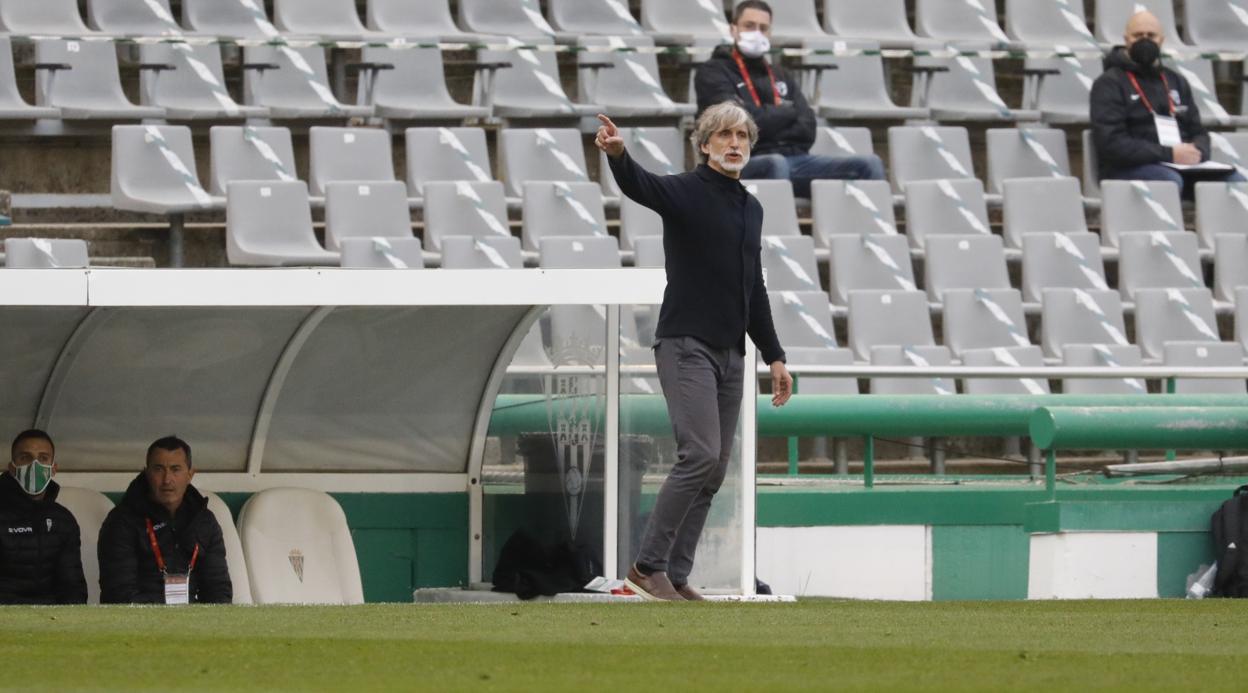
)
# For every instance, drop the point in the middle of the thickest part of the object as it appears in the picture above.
(742, 74)
(40, 546)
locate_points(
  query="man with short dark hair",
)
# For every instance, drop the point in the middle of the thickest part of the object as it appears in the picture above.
(40, 546)
(161, 544)
(786, 123)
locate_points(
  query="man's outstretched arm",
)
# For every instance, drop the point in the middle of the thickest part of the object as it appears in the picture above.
(659, 193)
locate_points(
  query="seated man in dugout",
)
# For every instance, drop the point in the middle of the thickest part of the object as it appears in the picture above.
(40, 546)
(161, 544)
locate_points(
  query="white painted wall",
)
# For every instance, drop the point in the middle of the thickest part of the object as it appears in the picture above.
(884, 562)
(1093, 565)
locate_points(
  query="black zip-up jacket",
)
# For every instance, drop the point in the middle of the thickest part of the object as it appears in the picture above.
(128, 572)
(40, 548)
(712, 238)
(786, 129)
(1123, 130)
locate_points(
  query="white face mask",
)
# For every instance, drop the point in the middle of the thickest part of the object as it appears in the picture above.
(753, 44)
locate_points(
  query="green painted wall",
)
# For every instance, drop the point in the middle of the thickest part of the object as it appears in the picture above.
(1178, 555)
(979, 562)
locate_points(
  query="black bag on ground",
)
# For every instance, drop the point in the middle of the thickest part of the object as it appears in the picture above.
(1230, 531)
(529, 569)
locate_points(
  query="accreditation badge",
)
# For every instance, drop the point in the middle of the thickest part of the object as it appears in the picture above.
(1167, 131)
(177, 589)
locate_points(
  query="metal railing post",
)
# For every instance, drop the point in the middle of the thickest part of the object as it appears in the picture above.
(794, 461)
(868, 461)
(1050, 474)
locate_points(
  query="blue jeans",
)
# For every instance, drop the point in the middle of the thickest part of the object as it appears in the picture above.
(801, 169)
(1159, 172)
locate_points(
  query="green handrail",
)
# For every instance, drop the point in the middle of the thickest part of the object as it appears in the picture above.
(1173, 428)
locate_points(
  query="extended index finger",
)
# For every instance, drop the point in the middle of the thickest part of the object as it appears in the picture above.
(611, 129)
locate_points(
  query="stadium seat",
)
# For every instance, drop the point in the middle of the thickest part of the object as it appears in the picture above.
(1158, 260)
(659, 150)
(1061, 260)
(1229, 148)
(648, 252)
(636, 222)
(531, 87)
(857, 88)
(42, 18)
(851, 207)
(959, 20)
(1230, 265)
(1199, 75)
(12, 105)
(628, 84)
(133, 17)
(195, 88)
(1131, 205)
(1041, 205)
(239, 581)
(250, 153)
(90, 86)
(45, 253)
(327, 19)
(1026, 153)
(241, 19)
(1064, 98)
(964, 262)
(521, 20)
(416, 88)
(1112, 15)
(793, 22)
(867, 261)
(154, 171)
(381, 253)
(541, 154)
(1205, 355)
(842, 141)
(967, 88)
(983, 319)
(811, 384)
(1220, 208)
(1102, 356)
(1216, 25)
(89, 509)
(888, 318)
(269, 223)
(578, 333)
(789, 264)
(918, 356)
(593, 17)
(559, 208)
(682, 22)
(376, 209)
(463, 208)
(1173, 315)
(295, 84)
(803, 322)
(927, 152)
(938, 207)
(1015, 356)
(298, 549)
(1081, 316)
(779, 206)
(425, 19)
(1042, 24)
(881, 20)
(348, 154)
(445, 154)
(488, 252)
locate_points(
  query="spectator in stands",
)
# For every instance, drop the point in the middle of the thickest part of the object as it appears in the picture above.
(40, 546)
(786, 122)
(1144, 119)
(715, 296)
(161, 544)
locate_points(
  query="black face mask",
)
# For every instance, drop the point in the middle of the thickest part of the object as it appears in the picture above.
(1144, 52)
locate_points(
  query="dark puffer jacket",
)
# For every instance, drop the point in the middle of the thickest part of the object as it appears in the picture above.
(128, 572)
(787, 129)
(40, 548)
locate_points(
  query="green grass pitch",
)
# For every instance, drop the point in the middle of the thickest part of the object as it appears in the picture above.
(817, 644)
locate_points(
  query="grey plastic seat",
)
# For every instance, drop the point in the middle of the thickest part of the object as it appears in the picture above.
(892, 318)
(153, 170)
(1216, 25)
(941, 207)
(366, 210)
(630, 88)
(491, 252)
(1229, 148)
(381, 253)
(530, 88)
(42, 18)
(195, 88)
(348, 154)
(1173, 315)
(416, 88)
(463, 208)
(1048, 23)
(1061, 260)
(1041, 205)
(331, 19)
(245, 19)
(648, 252)
(857, 89)
(298, 87)
(1212, 355)
(45, 253)
(269, 223)
(1081, 316)
(577, 333)
(1157, 260)
(133, 17)
(1199, 75)
(1026, 153)
(445, 154)
(965, 262)
(821, 384)
(928, 152)
(865, 261)
(959, 20)
(1102, 356)
(1018, 357)
(559, 208)
(637, 222)
(882, 20)
(427, 19)
(967, 90)
(12, 105)
(1220, 209)
(516, 18)
(1130, 205)
(917, 356)
(540, 154)
(779, 206)
(605, 17)
(842, 141)
(659, 150)
(803, 319)
(851, 207)
(793, 22)
(984, 318)
(249, 153)
(91, 88)
(1112, 15)
(1063, 98)
(1230, 265)
(683, 22)
(789, 264)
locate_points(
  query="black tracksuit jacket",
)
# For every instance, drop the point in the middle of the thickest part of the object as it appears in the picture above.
(786, 129)
(40, 548)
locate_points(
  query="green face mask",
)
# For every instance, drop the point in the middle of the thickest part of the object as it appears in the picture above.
(34, 477)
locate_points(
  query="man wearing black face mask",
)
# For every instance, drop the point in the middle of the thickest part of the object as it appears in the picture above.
(1143, 114)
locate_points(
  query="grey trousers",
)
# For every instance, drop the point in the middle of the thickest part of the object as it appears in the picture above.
(702, 386)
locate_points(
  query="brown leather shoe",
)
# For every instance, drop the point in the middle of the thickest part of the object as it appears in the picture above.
(654, 587)
(690, 594)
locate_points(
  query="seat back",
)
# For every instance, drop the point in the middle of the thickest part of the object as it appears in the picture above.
(967, 86)
(133, 17)
(559, 208)
(381, 253)
(196, 82)
(298, 549)
(238, 19)
(648, 252)
(45, 253)
(793, 20)
(541, 154)
(606, 17)
(348, 154)
(521, 19)
(865, 261)
(882, 19)
(1230, 265)
(1215, 25)
(1102, 356)
(637, 222)
(1032, 205)
(779, 206)
(700, 19)
(531, 82)
(250, 152)
(1211, 355)
(851, 207)
(1019, 357)
(632, 84)
(858, 80)
(983, 319)
(153, 169)
(894, 318)
(234, 559)
(301, 80)
(1026, 153)
(366, 210)
(1061, 260)
(93, 80)
(1173, 315)
(1065, 96)
(803, 319)
(1157, 260)
(965, 262)
(958, 20)
(421, 19)
(1134, 205)
(812, 384)
(267, 221)
(1229, 148)
(10, 97)
(42, 18)
(487, 252)
(1048, 23)
(1081, 316)
(461, 208)
(417, 78)
(842, 141)
(1112, 16)
(320, 18)
(1199, 75)
(789, 264)
(942, 207)
(446, 154)
(928, 152)
(659, 150)
(918, 356)
(89, 509)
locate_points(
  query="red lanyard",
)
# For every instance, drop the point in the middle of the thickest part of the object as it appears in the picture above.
(1144, 98)
(160, 558)
(745, 74)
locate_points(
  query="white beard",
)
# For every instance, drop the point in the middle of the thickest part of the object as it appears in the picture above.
(731, 166)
